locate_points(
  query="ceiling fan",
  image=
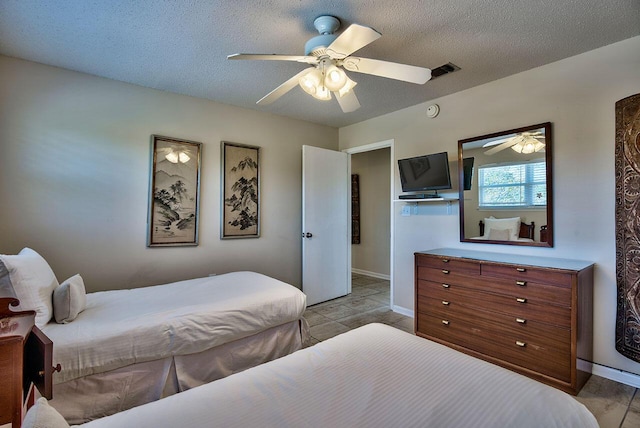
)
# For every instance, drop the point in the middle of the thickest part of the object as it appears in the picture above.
(328, 54)
(524, 142)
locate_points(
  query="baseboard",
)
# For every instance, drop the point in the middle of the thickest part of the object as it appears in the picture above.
(616, 375)
(373, 274)
(403, 311)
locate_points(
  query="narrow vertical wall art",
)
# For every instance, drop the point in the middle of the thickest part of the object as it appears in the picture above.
(240, 191)
(627, 171)
(355, 209)
(174, 192)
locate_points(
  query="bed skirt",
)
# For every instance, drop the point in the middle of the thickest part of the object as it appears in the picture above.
(91, 397)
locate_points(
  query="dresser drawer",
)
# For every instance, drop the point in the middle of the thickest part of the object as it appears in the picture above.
(512, 287)
(528, 273)
(446, 276)
(500, 344)
(517, 307)
(449, 264)
(527, 330)
(530, 290)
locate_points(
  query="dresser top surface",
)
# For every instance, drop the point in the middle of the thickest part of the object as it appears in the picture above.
(547, 262)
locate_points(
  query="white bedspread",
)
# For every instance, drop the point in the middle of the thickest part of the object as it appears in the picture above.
(123, 327)
(374, 376)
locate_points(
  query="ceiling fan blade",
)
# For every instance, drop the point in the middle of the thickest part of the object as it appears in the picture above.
(348, 102)
(494, 142)
(510, 142)
(390, 70)
(282, 89)
(275, 57)
(353, 38)
(498, 148)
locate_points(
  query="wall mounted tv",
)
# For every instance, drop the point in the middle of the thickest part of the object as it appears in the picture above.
(424, 173)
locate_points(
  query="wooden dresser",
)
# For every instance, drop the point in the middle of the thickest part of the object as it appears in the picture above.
(25, 360)
(529, 314)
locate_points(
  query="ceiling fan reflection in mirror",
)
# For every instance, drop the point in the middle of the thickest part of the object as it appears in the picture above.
(328, 54)
(524, 142)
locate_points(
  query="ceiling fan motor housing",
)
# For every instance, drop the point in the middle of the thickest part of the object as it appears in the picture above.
(318, 45)
(326, 26)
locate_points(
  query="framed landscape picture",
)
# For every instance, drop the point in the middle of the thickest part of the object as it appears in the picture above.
(240, 217)
(174, 198)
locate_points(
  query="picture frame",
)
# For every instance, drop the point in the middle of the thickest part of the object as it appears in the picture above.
(240, 193)
(174, 192)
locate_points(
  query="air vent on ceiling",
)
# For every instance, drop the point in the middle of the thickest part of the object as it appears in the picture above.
(444, 69)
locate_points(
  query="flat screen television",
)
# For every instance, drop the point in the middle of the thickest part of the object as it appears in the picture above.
(423, 173)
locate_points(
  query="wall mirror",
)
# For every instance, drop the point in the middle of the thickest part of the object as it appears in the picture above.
(506, 187)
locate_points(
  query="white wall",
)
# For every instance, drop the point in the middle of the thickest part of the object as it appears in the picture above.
(373, 253)
(74, 178)
(578, 96)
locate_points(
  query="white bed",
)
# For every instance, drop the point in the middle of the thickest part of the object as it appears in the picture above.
(124, 348)
(374, 376)
(130, 347)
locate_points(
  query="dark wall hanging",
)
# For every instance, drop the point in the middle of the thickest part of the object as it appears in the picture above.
(627, 170)
(355, 209)
(240, 180)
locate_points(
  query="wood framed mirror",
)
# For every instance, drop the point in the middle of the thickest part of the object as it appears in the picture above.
(506, 187)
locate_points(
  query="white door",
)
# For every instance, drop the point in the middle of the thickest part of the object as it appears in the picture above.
(325, 224)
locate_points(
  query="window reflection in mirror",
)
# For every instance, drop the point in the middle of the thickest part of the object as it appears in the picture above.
(505, 187)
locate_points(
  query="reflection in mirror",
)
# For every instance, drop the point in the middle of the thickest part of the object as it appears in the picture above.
(506, 187)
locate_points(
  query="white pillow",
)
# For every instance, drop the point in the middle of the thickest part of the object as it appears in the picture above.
(33, 281)
(494, 235)
(503, 224)
(69, 299)
(42, 415)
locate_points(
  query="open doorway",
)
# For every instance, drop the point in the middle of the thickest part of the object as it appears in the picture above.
(371, 249)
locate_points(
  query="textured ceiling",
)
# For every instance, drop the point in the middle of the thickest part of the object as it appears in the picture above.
(181, 46)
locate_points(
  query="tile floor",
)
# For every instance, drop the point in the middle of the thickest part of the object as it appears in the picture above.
(614, 405)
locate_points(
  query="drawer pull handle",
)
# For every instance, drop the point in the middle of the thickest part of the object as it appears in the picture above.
(445, 286)
(521, 300)
(520, 344)
(521, 320)
(444, 271)
(57, 368)
(445, 260)
(521, 283)
(521, 269)
(445, 322)
(446, 303)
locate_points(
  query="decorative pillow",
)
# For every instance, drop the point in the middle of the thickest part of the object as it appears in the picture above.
(42, 415)
(494, 235)
(33, 281)
(69, 299)
(502, 224)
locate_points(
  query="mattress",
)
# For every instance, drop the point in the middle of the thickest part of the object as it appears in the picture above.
(373, 376)
(123, 327)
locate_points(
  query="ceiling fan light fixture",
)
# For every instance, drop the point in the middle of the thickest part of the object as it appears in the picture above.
(310, 81)
(335, 78)
(348, 86)
(172, 157)
(183, 157)
(528, 145)
(313, 84)
(322, 93)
